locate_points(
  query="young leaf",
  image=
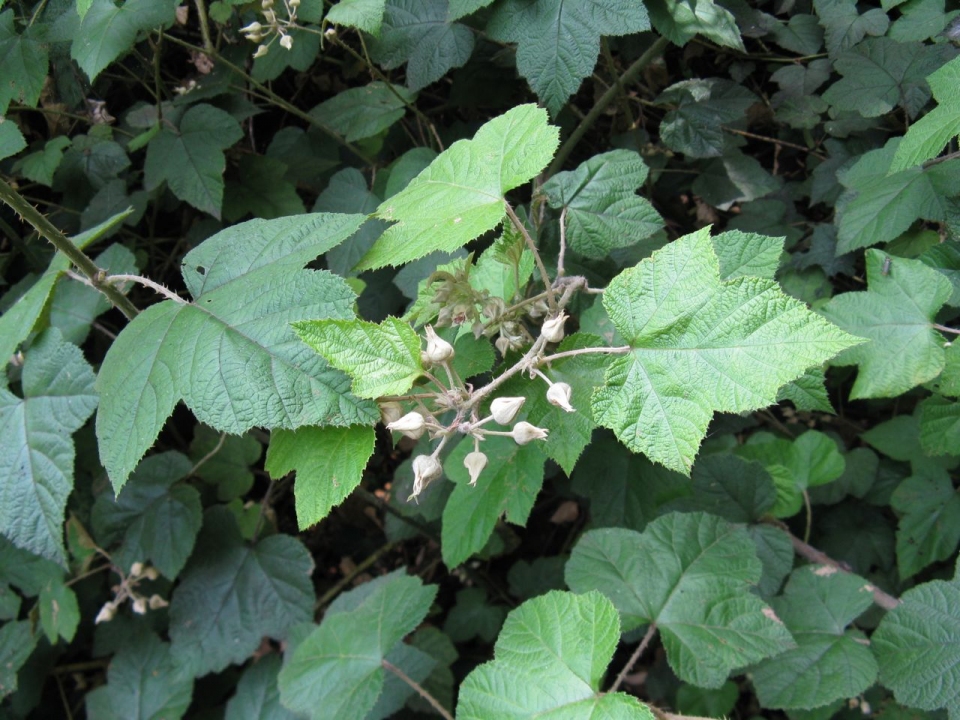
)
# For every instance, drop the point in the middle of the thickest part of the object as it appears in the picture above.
(895, 313)
(154, 519)
(680, 20)
(337, 670)
(691, 574)
(366, 15)
(36, 462)
(329, 463)
(830, 661)
(418, 32)
(917, 649)
(808, 392)
(25, 62)
(927, 137)
(362, 112)
(231, 595)
(603, 209)
(236, 364)
(741, 340)
(383, 359)
(558, 43)
(549, 660)
(464, 188)
(929, 527)
(190, 158)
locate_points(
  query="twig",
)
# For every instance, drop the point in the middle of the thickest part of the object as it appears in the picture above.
(434, 703)
(623, 349)
(944, 328)
(544, 276)
(942, 158)
(205, 458)
(775, 141)
(563, 241)
(147, 282)
(648, 636)
(48, 230)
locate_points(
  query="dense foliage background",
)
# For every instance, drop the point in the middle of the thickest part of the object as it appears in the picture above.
(198, 516)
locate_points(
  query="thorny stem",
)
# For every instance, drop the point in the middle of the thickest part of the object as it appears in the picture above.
(517, 223)
(521, 364)
(434, 703)
(147, 282)
(648, 636)
(48, 230)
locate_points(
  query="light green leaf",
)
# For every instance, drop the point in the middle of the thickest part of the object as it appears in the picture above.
(940, 426)
(11, 139)
(747, 254)
(106, 31)
(603, 209)
(154, 520)
(366, 15)
(680, 20)
(59, 612)
(830, 661)
(261, 189)
(549, 660)
(190, 159)
(337, 671)
(143, 683)
(700, 345)
(16, 643)
(83, 6)
(382, 358)
(36, 448)
(507, 486)
(927, 137)
(691, 574)
(895, 313)
(419, 33)
(24, 58)
(917, 646)
(329, 463)
(231, 595)
(236, 365)
(698, 110)
(464, 188)
(845, 27)
(362, 112)
(257, 696)
(929, 527)
(808, 392)
(558, 43)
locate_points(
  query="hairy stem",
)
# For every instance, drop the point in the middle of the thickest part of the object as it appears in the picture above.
(434, 703)
(621, 350)
(648, 636)
(147, 282)
(544, 276)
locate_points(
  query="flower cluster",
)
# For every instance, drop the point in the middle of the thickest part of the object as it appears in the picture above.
(127, 590)
(273, 27)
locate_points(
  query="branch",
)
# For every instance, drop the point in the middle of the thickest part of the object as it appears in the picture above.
(61, 242)
(147, 282)
(633, 658)
(434, 703)
(551, 298)
(623, 349)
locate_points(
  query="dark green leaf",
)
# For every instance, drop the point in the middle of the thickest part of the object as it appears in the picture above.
(16, 644)
(929, 528)
(261, 190)
(257, 696)
(24, 61)
(474, 616)
(362, 112)
(845, 27)
(680, 20)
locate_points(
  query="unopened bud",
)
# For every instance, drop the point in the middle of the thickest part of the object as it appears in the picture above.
(475, 462)
(107, 613)
(559, 394)
(253, 28)
(438, 349)
(412, 425)
(136, 569)
(140, 606)
(524, 432)
(426, 468)
(504, 410)
(286, 42)
(261, 51)
(156, 602)
(390, 411)
(294, 4)
(552, 329)
(266, 4)
(151, 573)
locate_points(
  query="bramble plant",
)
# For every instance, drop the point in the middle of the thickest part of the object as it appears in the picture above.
(631, 403)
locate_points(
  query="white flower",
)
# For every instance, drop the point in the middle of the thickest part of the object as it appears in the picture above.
(426, 468)
(504, 410)
(438, 349)
(524, 432)
(412, 425)
(552, 329)
(559, 395)
(475, 462)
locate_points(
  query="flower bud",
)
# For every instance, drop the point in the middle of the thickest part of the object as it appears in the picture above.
(294, 4)
(504, 410)
(156, 602)
(136, 569)
(253, 28)
(438, 349)
(475, 462)
(266, 4)
(261, 51)
(140, 606)
(286, 42)
(151, 573)
(559, 395)
(107, 613)
(552, 329)
(390, 411)
(412, 425)
(524, 432)
(426, 468)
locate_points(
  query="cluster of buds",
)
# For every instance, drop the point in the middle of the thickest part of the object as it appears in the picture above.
(272, 27)
(127, 590)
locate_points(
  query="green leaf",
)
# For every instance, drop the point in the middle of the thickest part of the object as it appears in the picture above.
(718, 703)
(775, 550)
(363, 112)
(944, 257)
(225, 461)
(366, 15)
(302, 54)
(190, 158)
(462, 8)
(603, 210)
(680, 20)
(383, 359)
(154, 519)
(558, 43)
(235, 364)
(11, 139)
(464, 188)
(419, 33)
(738, 490)
(474, 616)
(700, 345)
(747, 254)
(257, 696)
(939, 425)
(734, 177)
(143, 683)
(845, 27)
(231, 595)
(329, 463)
(36, 461)
(59, 612)
(549, 660)
(699, 109)
(929, 527)
(802, 35)
(507, 486)
(808, 392)
(895, 313)
(830, 661)
(106, 31)
(917, 646)
(261, 190)
(919, 20)
(16, 645)
(337, 671)
(927, 137)
(879, 74)
(25, 63)
(347, 192)
(691, 574)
